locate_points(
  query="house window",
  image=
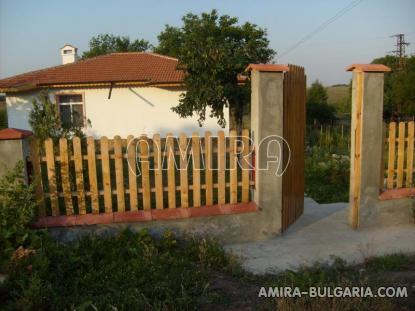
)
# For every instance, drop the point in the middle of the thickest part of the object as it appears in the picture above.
(71, 109)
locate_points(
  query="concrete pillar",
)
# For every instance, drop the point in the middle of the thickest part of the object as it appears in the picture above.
(14, 147)
(267, 100)
(366, 140)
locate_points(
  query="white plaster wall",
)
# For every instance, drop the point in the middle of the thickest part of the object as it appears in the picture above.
(135, 111)
(18, 110)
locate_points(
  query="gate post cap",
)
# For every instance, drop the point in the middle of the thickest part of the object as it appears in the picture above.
(267, 67)
(13, 133)
(368, 68)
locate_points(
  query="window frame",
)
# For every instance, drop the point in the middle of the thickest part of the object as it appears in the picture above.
(58, 102)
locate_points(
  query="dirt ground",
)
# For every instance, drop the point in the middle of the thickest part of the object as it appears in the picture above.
(241, 293)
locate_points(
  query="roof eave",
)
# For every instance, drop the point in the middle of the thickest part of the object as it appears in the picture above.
(20, 88)
(29, 87)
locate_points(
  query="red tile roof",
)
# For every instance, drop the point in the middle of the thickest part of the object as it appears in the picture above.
(116, 67)
(12, 133)
(369, 67)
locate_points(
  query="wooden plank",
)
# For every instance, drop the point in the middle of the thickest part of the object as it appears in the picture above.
(184, 185)
(106, 174)
(50, 162)
(92, 173)
(132, 172)
(410, 155)
(119, 174)
(245, 165)
(208, 175)
(221, 167)
(401, 155)
(158, 171)
(66, 186)
(171, 182)
(355, 204)
(79, 175)
(35, 158)
(145, 174)
(382, 162)
(233, 162)
(196, 169)
(391, 155)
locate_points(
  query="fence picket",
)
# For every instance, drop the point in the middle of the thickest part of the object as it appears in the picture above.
(401, 154)
(410, 155)
(158, 171)
(391, 154)
(120, 151)
(208, 175)
(233, 162)
(145, 175)
(34, 155)
(196, 169)
(184, 187)
(106, 174)
(119, 174)
(66, 186)
(221, 167)
(50, 162)
(79, 175)
(245, 166)
(171, 180)
(92, 173)
(132, 175)
(382, 163)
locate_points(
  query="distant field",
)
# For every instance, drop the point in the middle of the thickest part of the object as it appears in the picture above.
(337, 93)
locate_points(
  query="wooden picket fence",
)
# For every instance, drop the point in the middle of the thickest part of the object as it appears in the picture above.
(399, 155)
(82, 176)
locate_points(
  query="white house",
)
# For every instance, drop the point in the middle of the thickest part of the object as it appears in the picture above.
(120, 93)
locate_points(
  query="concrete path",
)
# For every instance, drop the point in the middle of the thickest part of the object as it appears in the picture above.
(321, 232)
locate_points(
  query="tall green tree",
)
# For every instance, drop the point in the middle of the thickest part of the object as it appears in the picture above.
(108, 43)
(213, 50)
(318, 108)
(399, 89)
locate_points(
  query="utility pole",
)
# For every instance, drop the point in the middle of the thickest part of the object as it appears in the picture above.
(400, 50)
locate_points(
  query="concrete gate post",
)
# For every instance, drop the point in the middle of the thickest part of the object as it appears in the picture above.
(14, 147)
(366, 140)
(267, 100)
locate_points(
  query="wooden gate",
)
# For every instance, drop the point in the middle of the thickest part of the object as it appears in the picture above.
(294, 121)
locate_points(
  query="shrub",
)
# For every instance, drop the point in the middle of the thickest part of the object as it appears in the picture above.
(45, 121)
(127, 271)
(326, 176)
(17, 209)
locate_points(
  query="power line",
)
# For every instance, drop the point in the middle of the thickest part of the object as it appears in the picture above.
(339, 14)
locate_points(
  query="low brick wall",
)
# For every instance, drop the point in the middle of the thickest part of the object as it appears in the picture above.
(145, 216)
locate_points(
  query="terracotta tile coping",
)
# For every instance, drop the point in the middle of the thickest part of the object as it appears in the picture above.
(267, 67)
(397, 193)
(145, 216)
(368, 67)
(13, 133)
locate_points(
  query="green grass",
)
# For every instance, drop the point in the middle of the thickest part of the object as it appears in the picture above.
(136, 271)
(131, 271)
(326, 176)
(327, 164)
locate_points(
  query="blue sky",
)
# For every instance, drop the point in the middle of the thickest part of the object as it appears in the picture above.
(31, 32)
